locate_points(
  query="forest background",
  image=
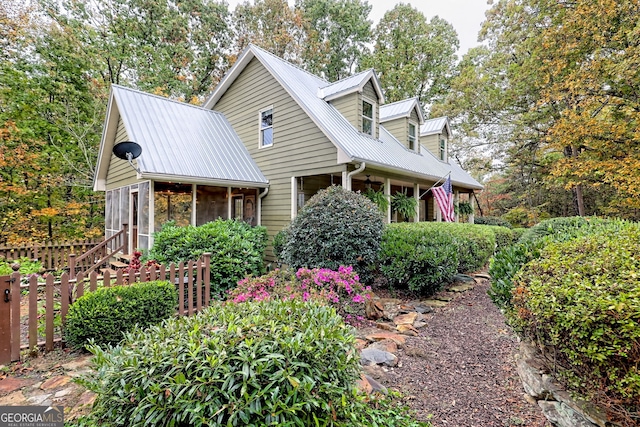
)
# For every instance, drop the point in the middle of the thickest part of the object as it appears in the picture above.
(545, 110)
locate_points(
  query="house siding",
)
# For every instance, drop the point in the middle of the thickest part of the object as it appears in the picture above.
(299, 146)
(399, 128)
(120, 173)
(348, 107)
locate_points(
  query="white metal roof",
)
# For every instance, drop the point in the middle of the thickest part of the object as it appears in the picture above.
(459, 176)
(349, 85)
(401, 109)
(435, 126)
(353, 145)
(184, 142)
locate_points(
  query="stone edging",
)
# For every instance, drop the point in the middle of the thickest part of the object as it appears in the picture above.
(555, 402)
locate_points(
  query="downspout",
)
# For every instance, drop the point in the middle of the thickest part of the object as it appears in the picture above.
(260, 197)
(354, 172)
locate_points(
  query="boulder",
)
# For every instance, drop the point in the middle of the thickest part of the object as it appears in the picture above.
(388, 345)
(372, 356)
(561, 415)
(405, 319)
(379, 336)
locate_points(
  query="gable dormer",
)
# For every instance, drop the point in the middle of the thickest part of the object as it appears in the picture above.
(403, 120)
(435, 135)
(358, 99)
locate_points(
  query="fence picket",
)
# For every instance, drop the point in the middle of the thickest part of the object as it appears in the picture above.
(93, 281)
(180, 281)
(199, 286)
(33, 312)
(65, 299)
(190, 286)
(49, 314)
(15, 315)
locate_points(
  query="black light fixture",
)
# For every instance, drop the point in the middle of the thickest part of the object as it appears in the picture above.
(128, 150)
(367, 182)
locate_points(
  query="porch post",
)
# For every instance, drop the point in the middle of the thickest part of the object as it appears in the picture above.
(472, 218)
(294, 197)
(228, 202)
(152, 212)
(345, 174)
(456, 201)
(193, 204)
(416, 195)
(387, 194)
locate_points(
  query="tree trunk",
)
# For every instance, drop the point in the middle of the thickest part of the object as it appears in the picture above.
(579, 199)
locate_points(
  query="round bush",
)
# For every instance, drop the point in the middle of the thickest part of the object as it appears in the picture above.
(492, 220)
(263, 363)
(582, 298)
(336, 227)
(420, 257)
(237, 249)
(475, 244)
(504, 236)
(104, 315)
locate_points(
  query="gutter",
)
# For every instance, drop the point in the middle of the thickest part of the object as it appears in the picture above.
(260, 197)
(355, 172)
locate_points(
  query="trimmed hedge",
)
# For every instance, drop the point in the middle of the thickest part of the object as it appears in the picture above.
(104, 315)
(505, 237)
(336, 227)
(237, 249)
(492, 220)
(582, 298)
(285, 363)
(422, 258)
(476, 244)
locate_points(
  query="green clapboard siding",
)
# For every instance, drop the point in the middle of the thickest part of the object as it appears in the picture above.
(399, 128)
(299, 146)
(120, 173)
(348, 106)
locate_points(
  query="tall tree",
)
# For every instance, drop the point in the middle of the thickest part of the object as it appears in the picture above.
(338, 36)
(412, 56)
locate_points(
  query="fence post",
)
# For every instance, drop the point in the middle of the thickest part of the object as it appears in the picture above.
(125, 249)
(72, 266)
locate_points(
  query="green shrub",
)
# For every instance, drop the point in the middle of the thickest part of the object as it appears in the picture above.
(518, 232)
(104, 315)
(259, 363)
(27, 266)
(492, 220)
(336, 227)
(422, 258)
(475, 244)
(279, 240)
(237, 249)
(554, 226)
(582, 298)
(504, 266)
(504, 236)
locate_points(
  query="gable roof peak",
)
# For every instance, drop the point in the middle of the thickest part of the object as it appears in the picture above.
(351, 84)
(400, 109)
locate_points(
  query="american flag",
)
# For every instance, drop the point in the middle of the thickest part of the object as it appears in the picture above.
(444, 197)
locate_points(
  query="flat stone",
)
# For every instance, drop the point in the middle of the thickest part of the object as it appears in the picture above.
(482, 276)
(370, 356)
(360, 344)
(434, 303)
(405, 319)
(422, 308)
(385, 345)
(11, 384)
(562, 415)
(444, 297)
(373, 309)
(530, 398)
(379, 336)
(460, 288)
(80, 373)
(419, 325)
(531, 380)
(87, 398)
(14, 399)
(375, 385)
(408, 330)
(55, 382)
(385, 326)
(80, 363)
(364, 385)
(463, 278)
(40, 400)
(64, 392)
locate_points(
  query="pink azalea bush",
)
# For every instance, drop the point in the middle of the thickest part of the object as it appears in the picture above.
(341, 289)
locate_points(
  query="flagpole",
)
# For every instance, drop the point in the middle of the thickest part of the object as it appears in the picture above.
(437, 182)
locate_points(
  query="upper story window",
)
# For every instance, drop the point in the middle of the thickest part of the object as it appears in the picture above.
(412, 137)
(443, 150)
(367, 118)
(266, 127)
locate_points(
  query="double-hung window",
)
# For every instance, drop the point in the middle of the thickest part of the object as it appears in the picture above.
(367, 118)
(266, 127)
(412, 137)
(443, 150)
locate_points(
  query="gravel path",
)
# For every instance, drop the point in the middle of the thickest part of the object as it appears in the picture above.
(461, 368)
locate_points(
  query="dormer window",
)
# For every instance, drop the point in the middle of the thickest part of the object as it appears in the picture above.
(367, 118)
(443, 150)
(266, 127)
(412, 137)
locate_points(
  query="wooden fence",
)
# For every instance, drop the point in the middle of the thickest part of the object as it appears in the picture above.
(52, 255)
(38, 310)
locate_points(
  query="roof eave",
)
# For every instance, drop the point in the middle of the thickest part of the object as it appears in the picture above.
(109, 129)
(202, 180)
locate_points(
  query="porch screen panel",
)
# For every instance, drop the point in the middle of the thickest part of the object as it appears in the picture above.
(172, 202)
(211, 204)
(143, 215)
(108, 217)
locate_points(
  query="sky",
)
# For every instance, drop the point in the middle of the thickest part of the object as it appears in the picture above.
(466, 16)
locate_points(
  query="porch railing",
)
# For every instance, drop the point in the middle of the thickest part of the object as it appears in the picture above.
(99, 254)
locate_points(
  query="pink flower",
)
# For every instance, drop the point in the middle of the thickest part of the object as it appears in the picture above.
(305, 296)
(357, 298)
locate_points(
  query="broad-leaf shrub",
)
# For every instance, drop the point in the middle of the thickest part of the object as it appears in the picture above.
(505, 237)
(341, 289)
(582, 298)
(236, 248)
(492, 220)
(422, 258)
(336, 227)
(475, 244)
(284, 363)
(504, 266)
(565, 228)
(104, 315)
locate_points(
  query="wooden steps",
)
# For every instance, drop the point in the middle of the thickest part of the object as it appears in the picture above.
(118, 264)
(111, 271)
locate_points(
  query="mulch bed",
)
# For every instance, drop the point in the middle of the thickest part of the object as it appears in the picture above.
(461, 371)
